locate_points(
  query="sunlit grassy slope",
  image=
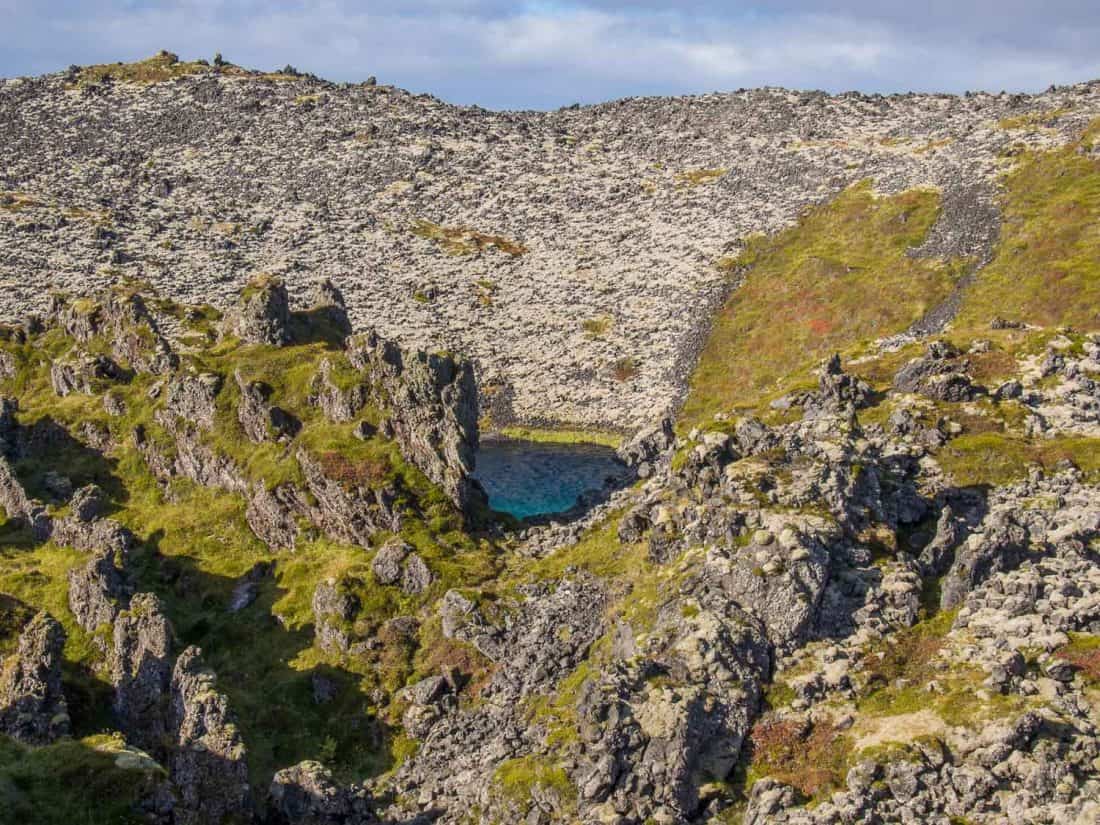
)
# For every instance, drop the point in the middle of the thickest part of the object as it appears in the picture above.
(841, 275)
(1047, 266)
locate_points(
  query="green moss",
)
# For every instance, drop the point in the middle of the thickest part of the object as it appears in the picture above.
(458, 240)
(698, 177)
(563, 436)
(515, 779)
(1034, 120)
(160, 68)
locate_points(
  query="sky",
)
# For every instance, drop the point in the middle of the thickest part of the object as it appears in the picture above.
(542, 55)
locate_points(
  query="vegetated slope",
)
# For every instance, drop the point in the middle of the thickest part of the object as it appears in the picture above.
(868, 582)
(572, 254)
(188, 479)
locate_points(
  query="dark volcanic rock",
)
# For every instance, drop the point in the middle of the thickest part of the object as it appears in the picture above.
(98, 591)
(32, 705)
(192, 397)
(141, 670)
(433, 402)
(262, 314)
(207, 764)
(260, 420)
(939, 374)
(333, 611)
(307, 794)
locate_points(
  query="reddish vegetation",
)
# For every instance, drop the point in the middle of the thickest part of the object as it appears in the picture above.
(805, 756)
(1086, 662)
(364, 472)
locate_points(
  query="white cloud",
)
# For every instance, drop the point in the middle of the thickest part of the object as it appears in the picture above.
(546, 54)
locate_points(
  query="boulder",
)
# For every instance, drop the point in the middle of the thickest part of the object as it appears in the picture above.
(192, 396)
(260, 420)
(939, 374)
(307, 794)
(334, 610)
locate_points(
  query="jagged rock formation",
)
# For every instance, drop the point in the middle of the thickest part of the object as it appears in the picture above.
(207, 763)
(98, 592)
(32, 704)
(433, 397)
(141, 671)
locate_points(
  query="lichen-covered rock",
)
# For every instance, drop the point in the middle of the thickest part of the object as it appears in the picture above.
(122, 318)
(32, 704)
(19, 507)
(939, 374)
(260, 420)
(262, 314)
(334, 609)
(396, 562)
(207, 762)
(348, 511)
(272, 514)
(193, 397)
(141, 670)
(337, 403)
(90, 536)
(416, 576)
(307, 794)
(82, 372)
(88, 503)
(388, 561)
(98, 591)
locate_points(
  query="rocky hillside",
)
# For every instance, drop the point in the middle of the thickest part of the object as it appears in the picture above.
(246, 577)
(575, 256)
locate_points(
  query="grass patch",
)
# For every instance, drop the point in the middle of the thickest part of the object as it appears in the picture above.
(92, 781)
(996, 458)
(457, 240)
(596, 327)
(698, 177)
(563, 436)
(516, 779)
(1034, 120)
(840, 276)
(159, 68)
(1046, 269)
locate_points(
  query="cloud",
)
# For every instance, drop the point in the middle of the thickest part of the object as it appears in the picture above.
(545, 54)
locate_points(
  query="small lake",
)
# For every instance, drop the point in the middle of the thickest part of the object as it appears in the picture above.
(533, 478)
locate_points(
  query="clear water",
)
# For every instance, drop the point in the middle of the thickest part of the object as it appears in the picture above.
(530, 478)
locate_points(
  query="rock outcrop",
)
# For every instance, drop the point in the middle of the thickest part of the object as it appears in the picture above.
(141, 670)
(98, 592)
(32, 705)
(307, 794)
(432, 398)
(207, 762)
(262, 313)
